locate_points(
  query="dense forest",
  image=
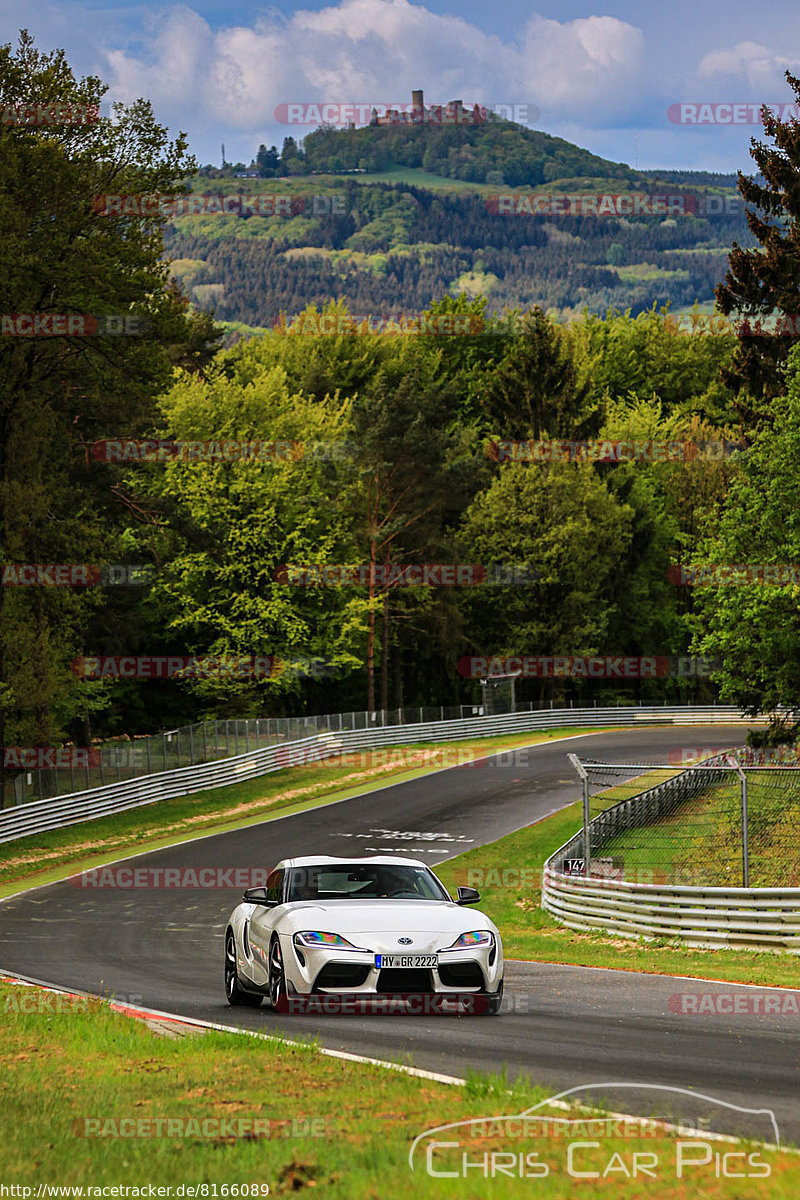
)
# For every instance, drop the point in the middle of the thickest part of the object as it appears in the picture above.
(399, 247)
(390, 449)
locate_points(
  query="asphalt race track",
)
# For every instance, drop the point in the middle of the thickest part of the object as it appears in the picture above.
(563, 1026)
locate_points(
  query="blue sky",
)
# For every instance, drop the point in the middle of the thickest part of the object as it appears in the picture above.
(601, 74)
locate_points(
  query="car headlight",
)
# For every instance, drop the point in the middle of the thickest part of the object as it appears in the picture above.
(314, 937)
(471, 941)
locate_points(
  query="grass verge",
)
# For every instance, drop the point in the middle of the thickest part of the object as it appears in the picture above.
(90, 1098)
(44, 858)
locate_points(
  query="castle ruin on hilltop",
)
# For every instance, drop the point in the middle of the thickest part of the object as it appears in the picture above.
(452, 113)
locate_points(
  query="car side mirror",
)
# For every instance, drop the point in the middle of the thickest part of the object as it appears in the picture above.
(468, 895)
(258, 895)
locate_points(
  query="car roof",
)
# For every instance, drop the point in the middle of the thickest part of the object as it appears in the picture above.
(326, 860)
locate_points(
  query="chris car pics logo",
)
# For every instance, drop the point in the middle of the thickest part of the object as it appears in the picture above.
(586, 1143)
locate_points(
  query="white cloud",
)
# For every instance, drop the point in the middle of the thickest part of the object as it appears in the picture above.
(750, 66)
(376, 51)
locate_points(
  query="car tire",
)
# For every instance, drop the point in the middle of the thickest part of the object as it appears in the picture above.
(234, 991)
(277, 975)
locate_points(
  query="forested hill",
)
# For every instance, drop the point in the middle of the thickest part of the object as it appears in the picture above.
(498, 152)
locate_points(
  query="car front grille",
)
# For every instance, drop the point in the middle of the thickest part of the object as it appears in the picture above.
(404, 979)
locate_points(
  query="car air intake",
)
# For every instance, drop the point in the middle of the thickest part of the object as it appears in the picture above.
(341, 975)
(461, 974)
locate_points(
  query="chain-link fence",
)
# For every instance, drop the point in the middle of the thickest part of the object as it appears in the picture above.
(131, 757)
(732, 820)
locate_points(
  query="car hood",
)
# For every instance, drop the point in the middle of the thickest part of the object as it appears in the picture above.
(377, 918)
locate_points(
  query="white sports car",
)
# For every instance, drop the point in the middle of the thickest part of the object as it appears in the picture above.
(360, 928)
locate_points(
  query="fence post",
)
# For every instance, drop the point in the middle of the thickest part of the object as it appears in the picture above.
(587, 842)
(745, 846)
(191, 747)
(205, 743)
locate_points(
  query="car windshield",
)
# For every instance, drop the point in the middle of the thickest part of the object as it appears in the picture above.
(363, 881)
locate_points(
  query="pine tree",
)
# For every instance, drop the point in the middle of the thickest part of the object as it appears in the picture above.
(766, 279)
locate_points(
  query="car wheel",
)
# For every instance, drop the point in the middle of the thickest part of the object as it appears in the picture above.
(495, 1000)
(233, 990)
(277, 975)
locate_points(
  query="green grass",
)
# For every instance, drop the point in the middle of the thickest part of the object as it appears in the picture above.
(649, 271)
(72, 1081)
(46, 857)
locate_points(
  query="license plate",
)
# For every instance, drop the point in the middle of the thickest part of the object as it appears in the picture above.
(406, 960)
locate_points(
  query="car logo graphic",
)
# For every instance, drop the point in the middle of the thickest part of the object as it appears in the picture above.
(404, 941)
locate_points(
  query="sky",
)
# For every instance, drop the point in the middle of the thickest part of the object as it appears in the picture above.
(610, 77)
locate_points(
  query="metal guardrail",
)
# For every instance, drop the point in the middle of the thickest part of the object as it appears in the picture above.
(743, 917)
(57, 813)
